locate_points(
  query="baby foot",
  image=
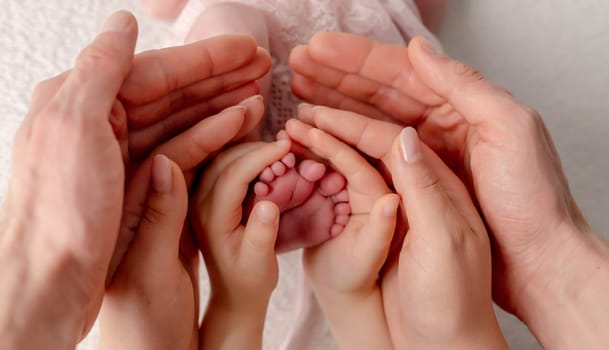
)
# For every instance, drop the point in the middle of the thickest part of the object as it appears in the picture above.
(313, 202)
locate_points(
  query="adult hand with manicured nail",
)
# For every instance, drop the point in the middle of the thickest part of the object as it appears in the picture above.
(444, 267)
(498, 147)
(152, 301)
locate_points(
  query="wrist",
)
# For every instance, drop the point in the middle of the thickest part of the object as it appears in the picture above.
(30, 316)
(232, 326)
(357, 320)
(565, 305)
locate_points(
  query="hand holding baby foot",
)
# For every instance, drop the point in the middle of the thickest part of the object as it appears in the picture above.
(343, 271)
(444, 270)
(240, 259)
(313, 202)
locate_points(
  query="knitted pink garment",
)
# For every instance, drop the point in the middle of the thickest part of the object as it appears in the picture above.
(293, 22)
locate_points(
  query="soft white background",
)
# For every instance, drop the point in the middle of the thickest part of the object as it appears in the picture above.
(552, 54)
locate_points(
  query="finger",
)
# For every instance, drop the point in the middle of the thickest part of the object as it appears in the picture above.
(253, 115)
(260, 234)
(144, 113)
(92, 85)
(384, 63)
(118, 121)
(370, 136)
(221, 161)
(434, 199)
(144, 140)
(375, 237)
(355, 76)
(159, 72)
(480, 102)
(187, 150)
(157, 242)
(316, 93)
(44, 91)
(232, 185)
(364, 181)
(195, 145)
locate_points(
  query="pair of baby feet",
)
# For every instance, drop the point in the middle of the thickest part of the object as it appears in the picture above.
(313, 201)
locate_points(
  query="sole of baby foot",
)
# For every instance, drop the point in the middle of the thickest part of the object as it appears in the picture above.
(314, 203)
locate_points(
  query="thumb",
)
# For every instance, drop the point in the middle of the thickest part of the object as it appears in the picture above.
(478, 100)
(157, 241)
(424, 197)
(260, 233)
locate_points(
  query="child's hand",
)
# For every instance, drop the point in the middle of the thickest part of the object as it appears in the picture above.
(151, 302)
(344, 270)
(406, 287)
(444, 269)
(240, 259)
(350, 262)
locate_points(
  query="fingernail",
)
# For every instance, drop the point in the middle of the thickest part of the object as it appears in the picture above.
(426, 46)
(281, 135)
(161, 174)
(235, 108)
(251, 99)
(282, 142)
(304, 106)
(118, 22)
(390, 208)
(266, 213)
(410, 144)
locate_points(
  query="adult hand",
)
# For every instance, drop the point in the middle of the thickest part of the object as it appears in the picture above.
(64, 203)
(169, 96)
(152, 302)
(444, 269)
(63, 206)
(499, 147)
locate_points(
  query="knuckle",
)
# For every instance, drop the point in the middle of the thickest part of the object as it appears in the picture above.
(427, 181)
(467, 73)
(43, 89)
(153, 215)
(527, 117)
(97, 58)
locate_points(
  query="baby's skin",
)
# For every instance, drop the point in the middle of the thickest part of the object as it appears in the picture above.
(313, 201)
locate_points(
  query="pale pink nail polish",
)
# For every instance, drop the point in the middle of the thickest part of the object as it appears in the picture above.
(410, 144)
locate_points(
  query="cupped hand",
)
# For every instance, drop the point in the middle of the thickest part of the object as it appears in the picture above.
(238, 245)
(351, 261)
(233, 250)
(444, 268)
(499, 147)
(169, 98)
(153, 290)
(63, 206)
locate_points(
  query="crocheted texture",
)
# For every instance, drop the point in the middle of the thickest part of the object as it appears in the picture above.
(291, 23)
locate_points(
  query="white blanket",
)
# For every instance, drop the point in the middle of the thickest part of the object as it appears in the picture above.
(550, 53)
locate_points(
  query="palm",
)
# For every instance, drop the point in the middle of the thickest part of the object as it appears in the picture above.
(351, 261)
(176, 100)
(378, 80)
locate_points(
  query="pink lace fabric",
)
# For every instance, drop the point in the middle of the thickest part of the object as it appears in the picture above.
(293, 22)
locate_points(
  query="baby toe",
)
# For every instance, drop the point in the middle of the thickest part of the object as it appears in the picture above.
(278, 168)
(289, 160)
(267, 175)
(311, 170)
(261, 189)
